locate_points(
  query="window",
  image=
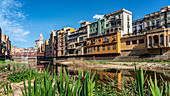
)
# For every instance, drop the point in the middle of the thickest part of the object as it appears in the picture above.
(150, 40)
(88, 50)
(162, 38)
(157, 21)
(114, 46)
(111, 30)
(128, 17)
(153, 23)
(119, 16)
(114, 38)
(85, 50)
(113, 18)
(148, 24)
(99, 40)
(107, 31)
(114, 24)
(127, 42)
(98, 48)
(103, 47)
(134, 41)
(156, 39)
(107, 25)
(119, 23)
(92, 41)
(106, 38)
(108, 47)
(93, 48)
(87, 42)
(141, 41)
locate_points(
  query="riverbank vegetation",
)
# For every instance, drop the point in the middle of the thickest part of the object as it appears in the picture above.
(46, 83)
(109, 61)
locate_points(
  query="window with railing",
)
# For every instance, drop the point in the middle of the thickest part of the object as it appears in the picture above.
(119, 23)
(108, 47)
(103, 47)
(128, 18)
(107, 25)
(99, 40)
(114, 46)
(156, 39)
(162, 39)
(94, 49)
(92, 41)
(98, 48)
(148, 24)
(106, 38)
(134, 41)
(85, 50)
(141, 41)
(114, 38)
(113, 24)
(127, 42)
(153, 22)
(88, 50)
(91, 49)
(157, 21)
(113, 18)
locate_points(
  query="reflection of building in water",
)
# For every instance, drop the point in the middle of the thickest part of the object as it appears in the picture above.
(26, 55)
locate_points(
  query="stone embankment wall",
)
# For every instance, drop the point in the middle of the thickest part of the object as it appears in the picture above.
(120, 58)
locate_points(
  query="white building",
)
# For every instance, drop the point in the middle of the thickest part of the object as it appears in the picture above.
(39, 42)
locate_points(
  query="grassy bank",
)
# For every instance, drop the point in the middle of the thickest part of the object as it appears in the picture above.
(106, 61)
(62, 84)
(12, 63)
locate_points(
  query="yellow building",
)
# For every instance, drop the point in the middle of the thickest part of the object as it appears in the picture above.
(104, 44)
(62, 44)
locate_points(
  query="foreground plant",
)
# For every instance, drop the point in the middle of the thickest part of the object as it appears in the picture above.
(46, 84)
(54, 85)
(8, 89)
(156, 91)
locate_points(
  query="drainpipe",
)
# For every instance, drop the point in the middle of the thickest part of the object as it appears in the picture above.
(168, 39)
(165, 41)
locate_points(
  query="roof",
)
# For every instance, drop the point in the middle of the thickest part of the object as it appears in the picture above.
(122, 10)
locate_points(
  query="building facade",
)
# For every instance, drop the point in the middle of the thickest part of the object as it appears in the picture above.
(62, 41)
(5, 45)
(150, 35)
(39, 42)
(25, 55)
(77, 40)
(117, 34)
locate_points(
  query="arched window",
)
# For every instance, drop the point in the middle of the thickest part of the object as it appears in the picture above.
(156, 39)
(162, 39)
(150, 40)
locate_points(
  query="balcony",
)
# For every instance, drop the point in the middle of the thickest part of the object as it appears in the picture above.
(158, 30)
(106, 39)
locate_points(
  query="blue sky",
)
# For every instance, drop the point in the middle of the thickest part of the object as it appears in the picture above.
(24, 20)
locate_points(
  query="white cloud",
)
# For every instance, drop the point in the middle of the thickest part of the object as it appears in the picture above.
(81, 21)
(98, 16)
(20, 40)
(11, 17)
